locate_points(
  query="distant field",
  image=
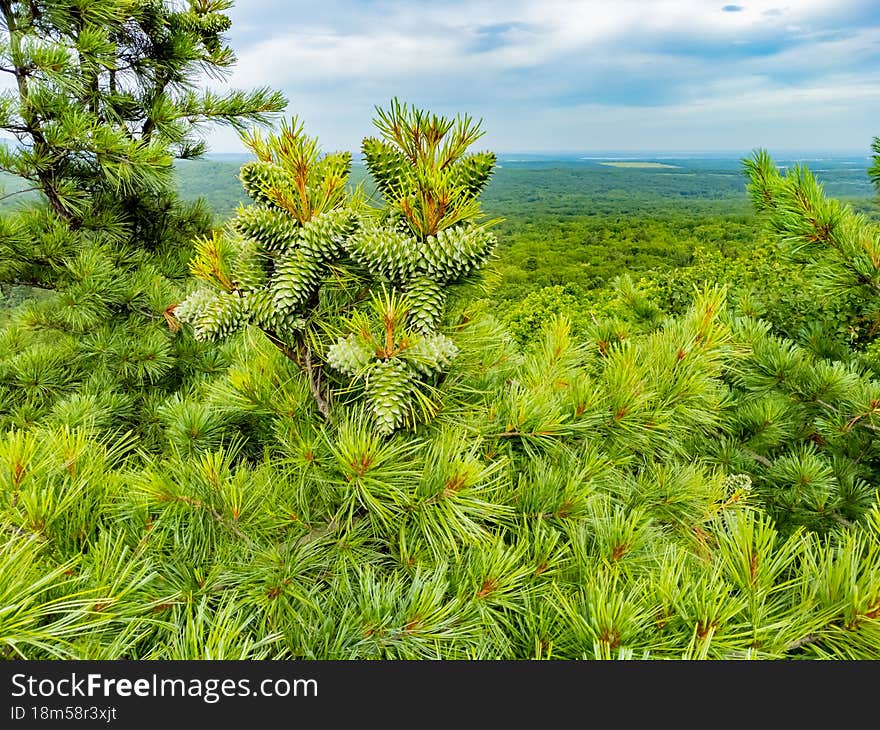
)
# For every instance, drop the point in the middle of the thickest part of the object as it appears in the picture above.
(642, 165)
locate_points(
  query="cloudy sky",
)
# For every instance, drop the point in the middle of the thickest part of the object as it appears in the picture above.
(576, 75)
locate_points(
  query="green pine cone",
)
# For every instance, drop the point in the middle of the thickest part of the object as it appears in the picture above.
(387, 165)
(275, 229)
(426, 298)
(213, 315)
(214, 23)
(349, 355)
(262, 181)
(261, 310)
(248, 269)
(473, 172)
(432, 353)
(384, 252)
(454, 252)
(297, 275)
(324, 235)
(186, 22)
(190, 309)
(389, 388)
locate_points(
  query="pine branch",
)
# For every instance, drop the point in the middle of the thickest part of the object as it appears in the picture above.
(301, 354)
(314, 534)
(313, 373)
(764, 461)
(46, 176)
(19, 192)
(803, 641)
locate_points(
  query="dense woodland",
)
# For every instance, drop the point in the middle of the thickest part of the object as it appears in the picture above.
(257, 409)
(569, 229)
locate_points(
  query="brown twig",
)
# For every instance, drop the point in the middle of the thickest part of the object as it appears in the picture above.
(760, 459)
(301, 354)
(803, 641)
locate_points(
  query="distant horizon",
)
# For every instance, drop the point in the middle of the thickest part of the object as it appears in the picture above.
(639, 154)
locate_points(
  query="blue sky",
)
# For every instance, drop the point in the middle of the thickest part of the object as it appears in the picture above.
(576, 75)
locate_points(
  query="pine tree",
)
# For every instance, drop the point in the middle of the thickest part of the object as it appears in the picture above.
(566, 505)
(107, 96)
(874, 170)
(306, 256)
(840, 248)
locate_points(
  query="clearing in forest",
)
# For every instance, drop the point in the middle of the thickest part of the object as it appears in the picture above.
(642, 165)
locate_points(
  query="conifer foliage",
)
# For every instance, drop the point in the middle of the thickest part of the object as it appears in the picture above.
(687, 487)
(840, 248)
(106, 96)
(307, 255)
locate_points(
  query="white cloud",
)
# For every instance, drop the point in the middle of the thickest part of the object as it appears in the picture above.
(735, 117)
(539, 70)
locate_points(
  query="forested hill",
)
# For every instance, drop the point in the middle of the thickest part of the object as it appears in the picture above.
(576, 185)
(579, 219)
